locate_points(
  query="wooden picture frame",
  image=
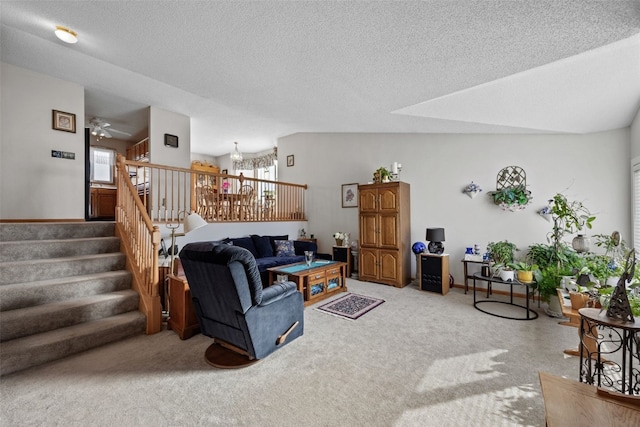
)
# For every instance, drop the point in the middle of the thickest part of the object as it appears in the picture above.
(170, 140)
(62, 121)
(225, 172)
(290, 159)
(350, 195)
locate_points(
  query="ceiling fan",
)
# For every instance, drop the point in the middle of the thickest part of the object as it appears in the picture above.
(99, 128)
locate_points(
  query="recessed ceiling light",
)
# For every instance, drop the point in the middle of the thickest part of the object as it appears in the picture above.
(66, 35)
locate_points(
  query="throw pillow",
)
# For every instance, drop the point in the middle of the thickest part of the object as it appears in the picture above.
(273, 239)
(247, 243)
(263, 245)
(284, 248)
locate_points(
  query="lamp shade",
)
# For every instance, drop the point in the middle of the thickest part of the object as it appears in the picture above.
(193, 221)
(435, 234)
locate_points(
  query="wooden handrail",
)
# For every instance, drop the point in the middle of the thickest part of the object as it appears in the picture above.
(140, 240)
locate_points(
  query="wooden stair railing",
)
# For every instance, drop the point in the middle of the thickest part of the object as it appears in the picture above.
(140, 240)
(150, 193)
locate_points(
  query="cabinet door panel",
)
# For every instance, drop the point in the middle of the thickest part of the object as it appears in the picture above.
(368, 230)
(389, 231)
(368, 268)
(367, 199)
(388, 200)
(389, 266)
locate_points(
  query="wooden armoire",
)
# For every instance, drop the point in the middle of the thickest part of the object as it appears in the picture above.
(385, 233)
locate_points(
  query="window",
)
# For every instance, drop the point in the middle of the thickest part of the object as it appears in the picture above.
(102, 164)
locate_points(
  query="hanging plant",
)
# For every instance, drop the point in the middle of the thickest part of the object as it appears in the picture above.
(512, 198)
(511, 189)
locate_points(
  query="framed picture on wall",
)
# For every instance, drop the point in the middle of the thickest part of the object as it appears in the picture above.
(170, 140)
(290, 160)
(65, 122)
(350, 195)
(225, 172)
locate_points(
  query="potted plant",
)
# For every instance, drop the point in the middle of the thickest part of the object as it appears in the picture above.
(501, 253)
(382, 174)
(553, 263)
(524, 269)
(512, 198)
(568, 217)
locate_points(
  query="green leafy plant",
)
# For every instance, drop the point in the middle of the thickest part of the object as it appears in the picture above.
(381, 174)
(502, 252)
(569, 217)
(509, 196)
(524, 265)
(547, 280)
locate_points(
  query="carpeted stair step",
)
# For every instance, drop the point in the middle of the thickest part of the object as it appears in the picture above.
(47, 317)
(37, 349)
(10, 232)
(28, 249)
(20, 295)
(33, 270)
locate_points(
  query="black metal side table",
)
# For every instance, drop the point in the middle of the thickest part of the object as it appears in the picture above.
(530, 313)
(614, 361)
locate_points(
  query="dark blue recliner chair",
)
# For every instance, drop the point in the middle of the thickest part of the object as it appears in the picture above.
(246, 321)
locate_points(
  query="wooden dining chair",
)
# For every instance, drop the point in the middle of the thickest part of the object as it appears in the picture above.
(245, 202)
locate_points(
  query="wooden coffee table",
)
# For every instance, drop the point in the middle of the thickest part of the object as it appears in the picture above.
(316, 282)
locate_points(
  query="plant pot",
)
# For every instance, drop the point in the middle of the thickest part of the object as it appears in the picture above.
(554, 309)
(339, 242)
(525, 276)
(507, 275)
(578, 300)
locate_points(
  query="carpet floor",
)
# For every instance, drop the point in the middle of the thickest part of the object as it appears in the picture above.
(419, 359)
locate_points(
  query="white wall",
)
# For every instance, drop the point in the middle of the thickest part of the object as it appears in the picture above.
(34, 185)
(591, 168)
(161, 122)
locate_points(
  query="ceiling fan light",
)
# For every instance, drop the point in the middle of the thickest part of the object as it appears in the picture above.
(66, 35)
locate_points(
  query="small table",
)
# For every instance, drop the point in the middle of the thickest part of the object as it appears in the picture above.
(468, 276)
(316, 282)
(618, 340)
(531, 314)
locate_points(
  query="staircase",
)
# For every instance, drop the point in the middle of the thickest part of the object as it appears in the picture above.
(63, 289)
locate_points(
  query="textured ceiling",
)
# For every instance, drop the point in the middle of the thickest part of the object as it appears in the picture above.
(255, 71)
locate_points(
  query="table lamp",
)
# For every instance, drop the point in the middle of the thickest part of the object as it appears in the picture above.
(435, 236)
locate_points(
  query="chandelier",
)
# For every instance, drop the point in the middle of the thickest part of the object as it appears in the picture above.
(236, 156)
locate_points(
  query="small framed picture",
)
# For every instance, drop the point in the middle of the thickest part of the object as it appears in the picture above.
(225, 172)
(350, 195)
(65, 122)
(171, 140)
(290, 160)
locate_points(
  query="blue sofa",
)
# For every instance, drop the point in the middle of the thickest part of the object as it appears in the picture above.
(268, 254)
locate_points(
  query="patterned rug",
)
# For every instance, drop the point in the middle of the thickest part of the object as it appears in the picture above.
(350, 306)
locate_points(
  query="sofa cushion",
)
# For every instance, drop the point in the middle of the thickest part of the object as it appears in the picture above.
(273, 239)
(263, 245)
(247, 243)
(284, 248)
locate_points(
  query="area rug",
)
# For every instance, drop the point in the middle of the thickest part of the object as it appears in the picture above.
(350, 306)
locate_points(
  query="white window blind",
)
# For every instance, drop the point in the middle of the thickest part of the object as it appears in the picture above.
(102, 161)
